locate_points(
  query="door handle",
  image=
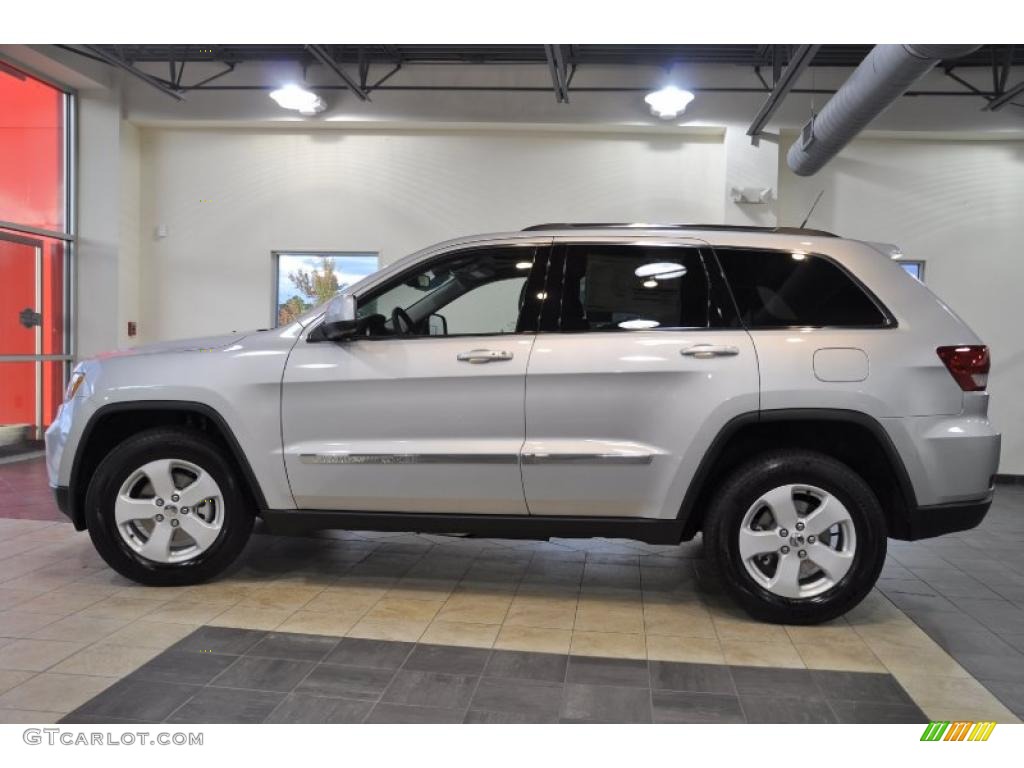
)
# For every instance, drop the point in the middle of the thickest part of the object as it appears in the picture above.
(709, 350)
(477, 356)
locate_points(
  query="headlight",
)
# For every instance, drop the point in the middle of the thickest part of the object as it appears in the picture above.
(73, 385)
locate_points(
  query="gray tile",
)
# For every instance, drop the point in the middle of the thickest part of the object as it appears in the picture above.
(382, 654)
(447, 658)
(479, 717)
(219, 640)
(526, 665)
(404, 713)
(261, 674)
(184, 667)
(523, 696)
(141, 699)
(286, 645)
(868, 712)
(782, 709)
(688, 707)
(860, 686)
(696, 678)
(1010, 693)
(76, 718)
(345, 682)
(591, 670)
(303, 708)
(1005, 667)
(431, 689)
(981, 641)
(768, 681)
(1017, 641)
(605, 704)
(226, 705)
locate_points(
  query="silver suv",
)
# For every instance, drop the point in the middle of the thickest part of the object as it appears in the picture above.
(794, 396)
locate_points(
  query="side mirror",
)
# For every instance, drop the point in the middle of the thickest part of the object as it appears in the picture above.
(339, 321)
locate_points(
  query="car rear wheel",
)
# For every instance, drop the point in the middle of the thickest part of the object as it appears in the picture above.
(797, 536)
(165, 508)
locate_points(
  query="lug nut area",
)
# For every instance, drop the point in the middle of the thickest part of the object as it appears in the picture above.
(784, 550)
(174, 523)
(801, 554)
(799, 526)
(159, 502)
(159, 518)
(183, 510)
(783, 532)
(175, 497)
(811, 539)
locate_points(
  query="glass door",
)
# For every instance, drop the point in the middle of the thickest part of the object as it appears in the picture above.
(31, 338)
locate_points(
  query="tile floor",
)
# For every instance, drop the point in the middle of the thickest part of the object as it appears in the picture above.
(218, 674)
(70, 628)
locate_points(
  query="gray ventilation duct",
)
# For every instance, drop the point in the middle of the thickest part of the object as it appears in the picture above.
(884, 75)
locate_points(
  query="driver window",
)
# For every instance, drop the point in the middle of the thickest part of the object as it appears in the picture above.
(474, 292)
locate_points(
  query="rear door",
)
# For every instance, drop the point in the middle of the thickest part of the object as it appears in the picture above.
(642, 364)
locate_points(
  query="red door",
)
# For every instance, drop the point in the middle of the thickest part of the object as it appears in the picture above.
(21, 406)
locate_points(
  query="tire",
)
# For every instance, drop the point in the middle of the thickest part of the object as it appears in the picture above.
(221, 521)
(744, 508)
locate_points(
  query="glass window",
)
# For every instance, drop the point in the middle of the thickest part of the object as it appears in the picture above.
(913, 268)
(472, 293)
(628, 287)
(303, 281)
(778, 289)
(31, 151)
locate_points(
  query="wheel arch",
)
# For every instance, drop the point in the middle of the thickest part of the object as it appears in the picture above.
(853, 437)
(114, 422)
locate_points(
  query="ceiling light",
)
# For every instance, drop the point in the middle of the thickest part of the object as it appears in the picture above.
(799, 255)
(660, 270)
(638, 325)
(669, 102)
(650, 283)
(524, 265)
(295, 97)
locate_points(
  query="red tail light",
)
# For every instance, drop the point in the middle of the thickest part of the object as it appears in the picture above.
(968, 364)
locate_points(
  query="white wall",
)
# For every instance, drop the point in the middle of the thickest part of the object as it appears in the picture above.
(99, 200)
(130, 242)
(960, 207)
(230, 197)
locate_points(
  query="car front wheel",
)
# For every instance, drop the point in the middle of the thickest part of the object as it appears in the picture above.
(797, 536)
(164, 508)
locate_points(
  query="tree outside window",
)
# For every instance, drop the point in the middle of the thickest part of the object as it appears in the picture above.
(306, 280)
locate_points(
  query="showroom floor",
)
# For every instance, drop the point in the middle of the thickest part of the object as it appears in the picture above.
(394, 627)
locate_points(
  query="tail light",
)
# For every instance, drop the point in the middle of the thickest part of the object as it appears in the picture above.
(968, 365)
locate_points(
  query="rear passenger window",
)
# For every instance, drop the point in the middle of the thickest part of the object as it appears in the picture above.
(780, 289)
(626, 288)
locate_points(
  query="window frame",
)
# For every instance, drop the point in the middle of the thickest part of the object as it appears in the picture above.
(538, 273)
(888, 319)
(719, 297)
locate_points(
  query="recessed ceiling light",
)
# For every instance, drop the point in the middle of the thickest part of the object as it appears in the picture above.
(650, 283)
(524, 265)
(669, 102)
(799, 255)
(295, 97)
(638, 324)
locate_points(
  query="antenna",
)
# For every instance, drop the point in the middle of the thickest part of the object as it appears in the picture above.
(813, 206)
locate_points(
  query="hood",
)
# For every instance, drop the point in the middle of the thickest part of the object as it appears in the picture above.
(180, 345)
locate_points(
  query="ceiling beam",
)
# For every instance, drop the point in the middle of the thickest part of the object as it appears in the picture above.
(324, 56)
(559, 72)
(117, 61)
(798, 62)
(1007, 96)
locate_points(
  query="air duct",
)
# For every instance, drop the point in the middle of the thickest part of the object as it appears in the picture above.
(884, 75)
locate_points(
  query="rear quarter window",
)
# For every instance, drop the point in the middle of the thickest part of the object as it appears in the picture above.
(779, 289)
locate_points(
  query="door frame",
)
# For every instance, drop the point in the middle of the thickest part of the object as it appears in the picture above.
(38, 358)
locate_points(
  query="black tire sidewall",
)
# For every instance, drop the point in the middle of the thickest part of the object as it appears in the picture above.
(751, 481)
(187, 445)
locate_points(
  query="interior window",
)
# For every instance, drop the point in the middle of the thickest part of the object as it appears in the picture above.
(628, 287)
(474, 292)
(778, 289)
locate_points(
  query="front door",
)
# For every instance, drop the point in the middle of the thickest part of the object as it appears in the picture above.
(424, 413)
(646, 364)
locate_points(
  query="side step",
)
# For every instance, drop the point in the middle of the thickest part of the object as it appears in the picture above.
(647, 530)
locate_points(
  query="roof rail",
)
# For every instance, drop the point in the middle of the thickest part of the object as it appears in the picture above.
(708, 227)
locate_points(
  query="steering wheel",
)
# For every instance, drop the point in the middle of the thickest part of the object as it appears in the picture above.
(401, 323)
